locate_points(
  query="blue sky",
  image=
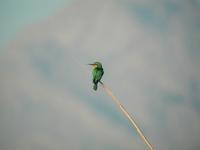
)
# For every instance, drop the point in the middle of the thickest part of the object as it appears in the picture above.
(15, 15)
(150, 54)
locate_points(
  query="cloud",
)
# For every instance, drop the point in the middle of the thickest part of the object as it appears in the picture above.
(47, 92)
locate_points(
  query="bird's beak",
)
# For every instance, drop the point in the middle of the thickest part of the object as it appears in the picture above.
(93, 65)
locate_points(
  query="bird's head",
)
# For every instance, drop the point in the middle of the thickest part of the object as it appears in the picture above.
(96, 65)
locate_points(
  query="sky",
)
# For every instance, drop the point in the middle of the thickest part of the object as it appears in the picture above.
(150, 53)
(15, 15)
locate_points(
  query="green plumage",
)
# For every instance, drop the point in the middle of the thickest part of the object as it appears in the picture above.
(97, 74)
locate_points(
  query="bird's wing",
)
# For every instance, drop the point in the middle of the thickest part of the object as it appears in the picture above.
(98, 75)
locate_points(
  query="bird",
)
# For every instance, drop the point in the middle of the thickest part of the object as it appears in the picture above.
(97, 74)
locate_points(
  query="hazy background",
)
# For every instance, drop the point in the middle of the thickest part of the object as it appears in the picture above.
(151, 57)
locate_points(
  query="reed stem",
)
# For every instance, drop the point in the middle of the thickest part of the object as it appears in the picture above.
(125, 112)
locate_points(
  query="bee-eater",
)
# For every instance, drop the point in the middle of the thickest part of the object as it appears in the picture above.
(97, 73)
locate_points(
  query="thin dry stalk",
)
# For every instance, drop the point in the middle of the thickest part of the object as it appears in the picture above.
(133, 122)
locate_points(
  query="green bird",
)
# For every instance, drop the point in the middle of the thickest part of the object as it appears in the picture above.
(97, 73)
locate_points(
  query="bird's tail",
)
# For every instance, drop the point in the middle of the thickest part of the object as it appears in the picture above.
(95, 86)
